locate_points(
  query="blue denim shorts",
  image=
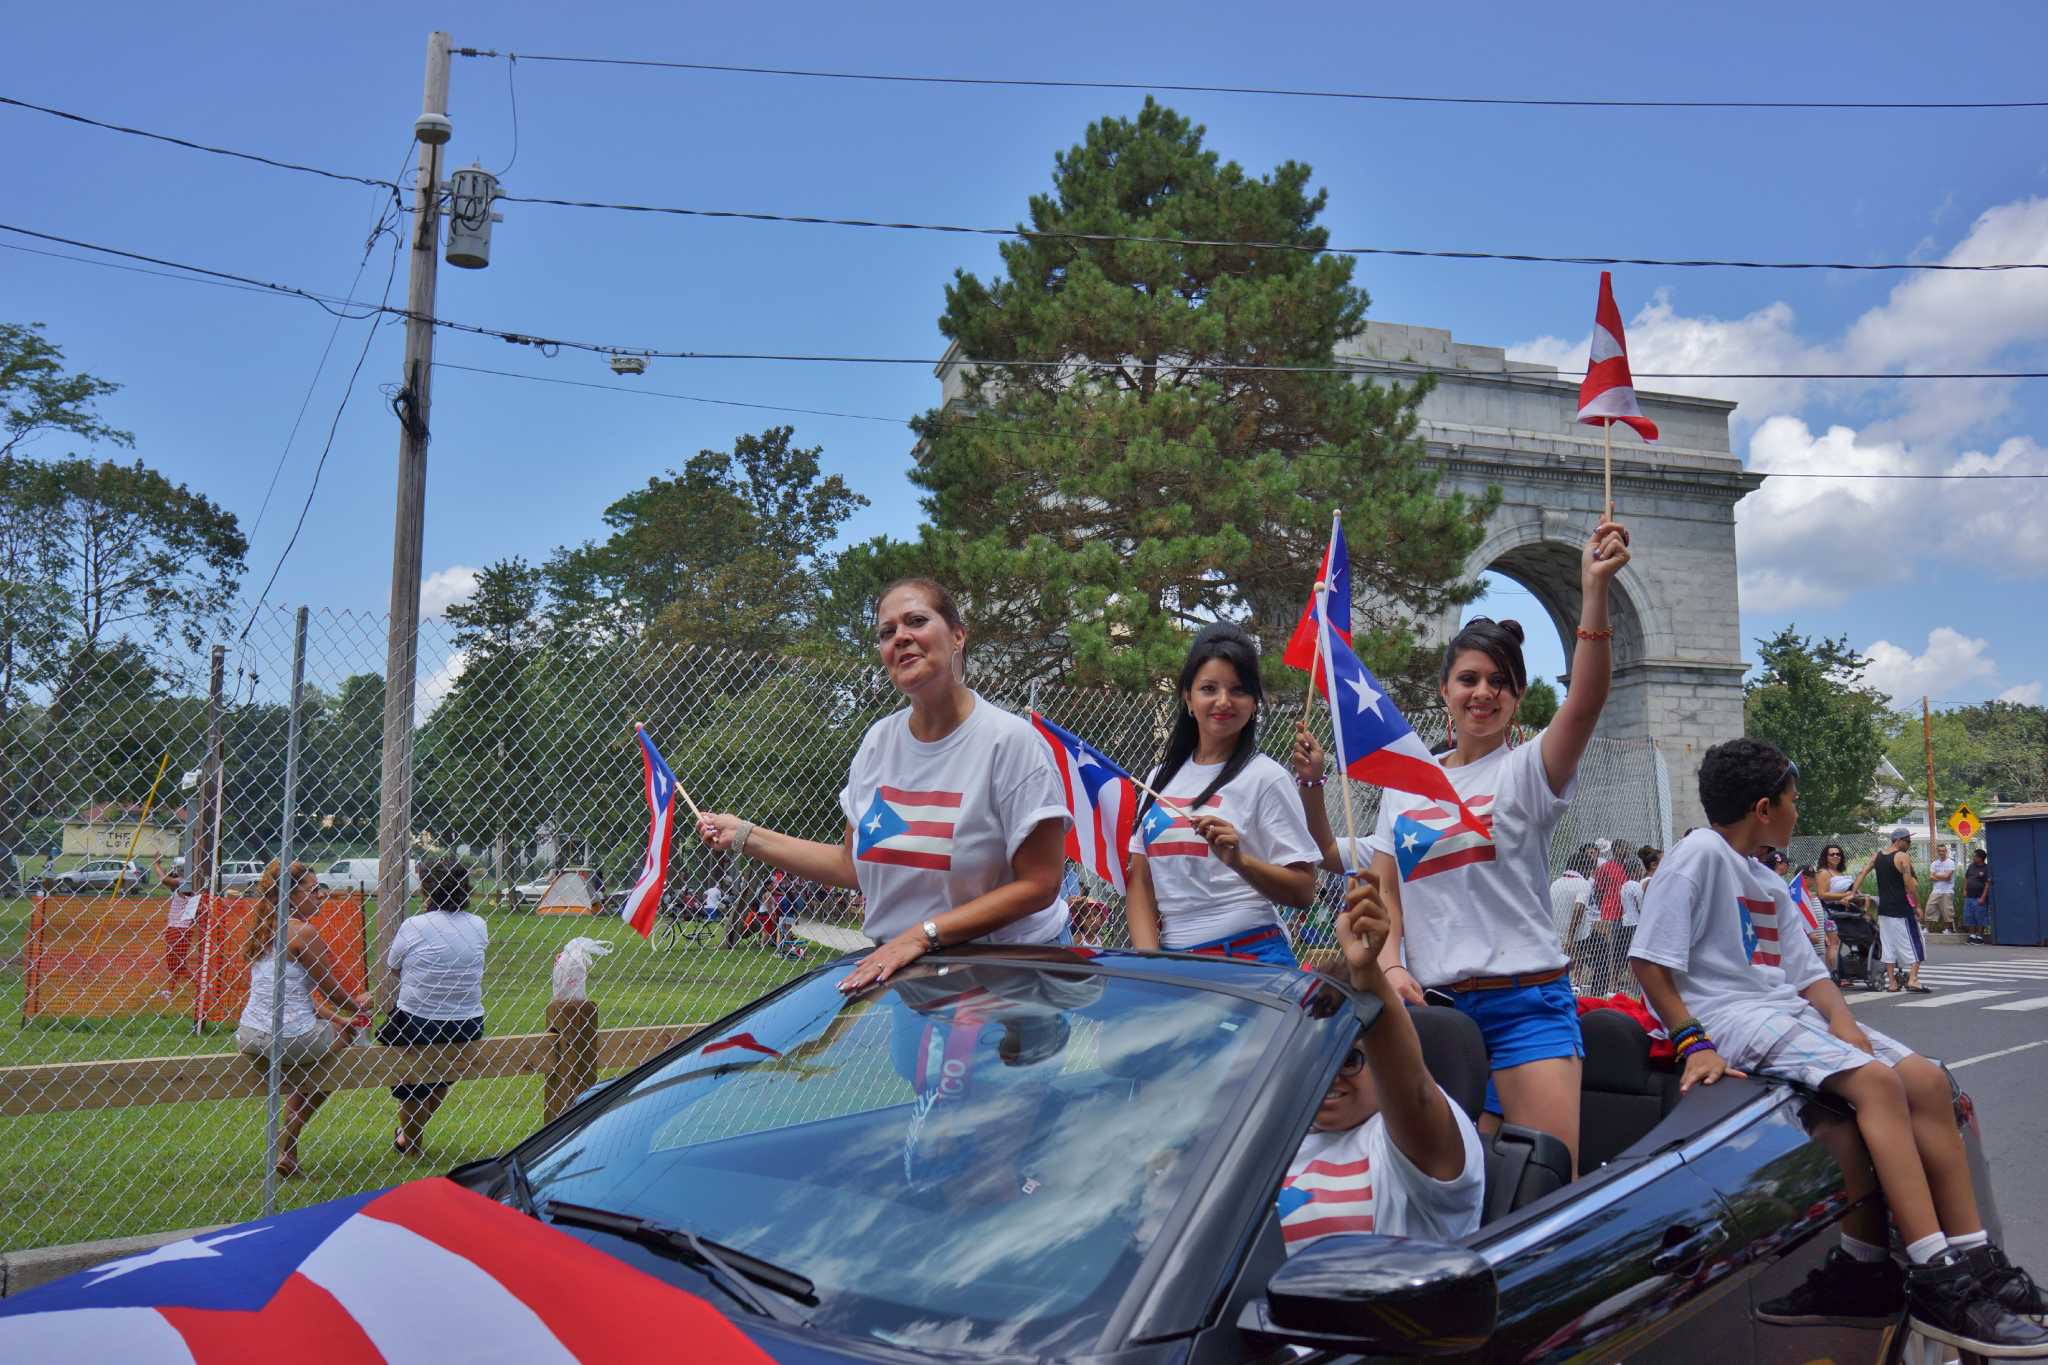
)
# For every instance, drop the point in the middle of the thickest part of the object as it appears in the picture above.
(1523, 1024)
(1253, 945)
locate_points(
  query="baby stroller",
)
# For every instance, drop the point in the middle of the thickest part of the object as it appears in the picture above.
(1857, 963)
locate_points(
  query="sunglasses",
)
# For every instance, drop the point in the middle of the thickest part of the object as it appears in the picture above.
(1785, 780)
(1353, 1063)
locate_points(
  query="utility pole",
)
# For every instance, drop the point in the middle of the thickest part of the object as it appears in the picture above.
(205, 849)
(1927, 743)
(394, 810)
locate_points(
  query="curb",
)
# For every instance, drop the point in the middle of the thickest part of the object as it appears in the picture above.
(21, 1271)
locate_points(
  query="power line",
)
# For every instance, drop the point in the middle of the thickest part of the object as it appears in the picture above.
(1172, 87)
(1047, 432)
(1363, 366)
(199, 146)
(1036, 234)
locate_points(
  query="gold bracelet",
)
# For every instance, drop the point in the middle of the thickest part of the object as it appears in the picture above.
(1584, 634)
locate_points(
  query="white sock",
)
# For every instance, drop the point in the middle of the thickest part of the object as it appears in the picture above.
(1970, 1240)
(1926, 1249)
(1863, 1251)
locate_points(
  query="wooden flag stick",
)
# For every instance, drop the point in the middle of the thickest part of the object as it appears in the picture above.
(1315, 661)
(1166, 801)
(1607, 467)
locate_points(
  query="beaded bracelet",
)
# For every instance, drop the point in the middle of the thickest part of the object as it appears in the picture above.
(1584, 634)
(1313, 783)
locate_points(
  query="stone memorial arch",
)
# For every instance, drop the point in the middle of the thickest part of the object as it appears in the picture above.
(1494, 422)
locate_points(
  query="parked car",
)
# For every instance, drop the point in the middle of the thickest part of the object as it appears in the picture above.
(98, 876)
(1048, 1153)
(360, 875)
(238, 876)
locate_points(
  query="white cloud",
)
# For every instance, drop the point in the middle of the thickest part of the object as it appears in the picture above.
(1950, 665)
(443, 589)
(2026, 694)
(433, 688)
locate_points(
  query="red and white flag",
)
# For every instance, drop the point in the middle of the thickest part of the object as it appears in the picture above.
(1608, 392)
(643, 902)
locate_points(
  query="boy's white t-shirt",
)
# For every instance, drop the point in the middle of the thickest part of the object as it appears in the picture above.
(1631, 902)
(1571, 897)
(1199, 898)
(935, 825)
(1356, 1180)
(1477, 903)
(1943, 871)
(1735, 943)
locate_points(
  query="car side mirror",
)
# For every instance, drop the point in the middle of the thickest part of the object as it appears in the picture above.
(1379, 1296)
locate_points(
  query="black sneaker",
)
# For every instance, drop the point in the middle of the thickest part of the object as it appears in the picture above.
(2006, 1282)
(1951, 1305)
(1841, 1291)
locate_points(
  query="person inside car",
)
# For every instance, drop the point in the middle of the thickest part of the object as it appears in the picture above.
(1389, 1152)
(955, 817)
(1722, 963)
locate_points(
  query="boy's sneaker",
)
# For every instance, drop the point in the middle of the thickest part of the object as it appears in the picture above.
(1841, 1291)
(1950, 1304)
(2006, 1282)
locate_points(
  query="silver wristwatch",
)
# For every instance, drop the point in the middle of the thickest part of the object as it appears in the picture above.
(931, 935)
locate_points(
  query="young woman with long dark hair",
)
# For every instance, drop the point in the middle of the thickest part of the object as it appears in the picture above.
(1208, 866)
(1469, 889)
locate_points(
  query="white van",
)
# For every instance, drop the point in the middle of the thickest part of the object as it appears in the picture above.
(360, 875)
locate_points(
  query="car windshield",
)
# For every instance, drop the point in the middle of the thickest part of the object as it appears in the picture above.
(974, 1157)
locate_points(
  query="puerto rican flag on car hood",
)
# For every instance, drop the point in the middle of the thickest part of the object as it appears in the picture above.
(427, 1271)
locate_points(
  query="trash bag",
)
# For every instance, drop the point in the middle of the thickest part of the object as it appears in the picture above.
(572, 967)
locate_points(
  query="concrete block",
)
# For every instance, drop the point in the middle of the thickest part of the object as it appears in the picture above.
(21, 1271)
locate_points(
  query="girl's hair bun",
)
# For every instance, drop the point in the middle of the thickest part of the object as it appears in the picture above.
(1514, 628)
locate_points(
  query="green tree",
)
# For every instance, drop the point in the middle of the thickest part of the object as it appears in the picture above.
(1124, 486)
(1994, 751)
(1808, 699)
(725, 551)
(1539, 704)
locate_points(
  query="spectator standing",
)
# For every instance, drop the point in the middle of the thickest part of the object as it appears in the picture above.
(1898, 894)
(1571, 896)
(438, 960)
(178, 917)
(1941, 894)
(1609, 874)
(1647, 858)
(1977, 897)
(314, 997)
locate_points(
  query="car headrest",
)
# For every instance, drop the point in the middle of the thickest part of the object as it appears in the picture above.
(1455, 1053)
(1617, 1053)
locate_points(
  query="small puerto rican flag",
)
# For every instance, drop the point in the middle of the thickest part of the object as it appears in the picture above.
(908, 829)
(644, 900)
(1325, 1198)
(1759, 930)
(1168, 834)
(1608, 392)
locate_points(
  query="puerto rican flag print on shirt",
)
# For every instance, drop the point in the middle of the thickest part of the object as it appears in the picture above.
(1168, 835)
(908, 829)
(1433, 838)
(1325, 1198)
(1759, 930)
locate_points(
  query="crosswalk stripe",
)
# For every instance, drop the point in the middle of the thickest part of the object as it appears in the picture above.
(2039, 1002)
(1858, 997)
(1961, 997)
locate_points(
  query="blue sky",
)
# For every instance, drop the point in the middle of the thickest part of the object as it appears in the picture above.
(1928, 575)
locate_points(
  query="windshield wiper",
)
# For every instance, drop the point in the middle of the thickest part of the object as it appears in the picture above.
(522, 1188)
(730, 1269)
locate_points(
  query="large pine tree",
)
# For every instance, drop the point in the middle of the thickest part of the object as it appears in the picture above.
(1101, 504)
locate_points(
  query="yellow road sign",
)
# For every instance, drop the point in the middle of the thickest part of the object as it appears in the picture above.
(1965, 823)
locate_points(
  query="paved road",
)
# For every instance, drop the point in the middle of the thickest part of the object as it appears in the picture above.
(1988, 1019)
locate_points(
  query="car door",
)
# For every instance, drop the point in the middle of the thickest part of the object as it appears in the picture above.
(1783, 1181)
(1628, 1264)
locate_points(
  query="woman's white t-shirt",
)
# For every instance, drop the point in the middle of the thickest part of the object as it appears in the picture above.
(1200, 898)
(1477, 902)
(1735, 944)
(936, 825)
(439, 958)
(1631, 902)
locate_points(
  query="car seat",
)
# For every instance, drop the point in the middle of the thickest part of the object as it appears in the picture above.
(1622, 1095)
(1522, 1165)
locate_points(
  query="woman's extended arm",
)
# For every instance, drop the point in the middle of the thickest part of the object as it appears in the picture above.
(1592, 669)
(831, 864)
(1308, 767)
(310, 950)
(1036, 872)
(1141, 904)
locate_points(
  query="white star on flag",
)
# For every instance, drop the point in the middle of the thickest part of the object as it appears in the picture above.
(874, 824)
(1408, 841)
(1368, 699)
(191, 1249)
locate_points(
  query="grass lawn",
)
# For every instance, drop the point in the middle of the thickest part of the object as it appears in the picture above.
(109, 1172)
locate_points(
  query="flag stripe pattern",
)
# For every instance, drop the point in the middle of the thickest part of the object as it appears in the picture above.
(908, 829)
(1760, 930)
(1439, 838)
(1805, 904)
(644, 900)
(1170, 834)
(1101, 798)
(1335, 573)
(427, 1271)
(1326, 1197)
(1608, 392)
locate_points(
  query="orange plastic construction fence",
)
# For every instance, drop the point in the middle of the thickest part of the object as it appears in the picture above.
(100, 958)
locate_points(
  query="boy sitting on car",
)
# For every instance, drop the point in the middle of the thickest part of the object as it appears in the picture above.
(1389, 1152)
(1722, 963)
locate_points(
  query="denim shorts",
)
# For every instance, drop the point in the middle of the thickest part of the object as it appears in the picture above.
(1523, 1024)
(1252, 945)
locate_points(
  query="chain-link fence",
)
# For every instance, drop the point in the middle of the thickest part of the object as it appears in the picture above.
(124, 1106)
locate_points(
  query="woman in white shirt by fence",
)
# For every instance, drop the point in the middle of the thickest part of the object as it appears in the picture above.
(438, 958)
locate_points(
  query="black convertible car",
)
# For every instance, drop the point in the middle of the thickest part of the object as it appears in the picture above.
(1031, 1153)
